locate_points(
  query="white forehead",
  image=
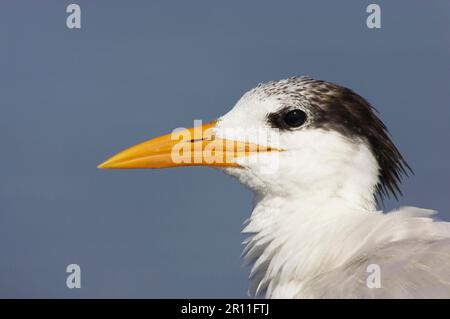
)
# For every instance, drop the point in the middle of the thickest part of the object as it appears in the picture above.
(247, 120)
(251, 111)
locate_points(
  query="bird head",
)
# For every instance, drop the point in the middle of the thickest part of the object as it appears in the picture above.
(289, 137)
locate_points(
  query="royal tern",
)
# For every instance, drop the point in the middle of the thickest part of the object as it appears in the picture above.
(315, 231)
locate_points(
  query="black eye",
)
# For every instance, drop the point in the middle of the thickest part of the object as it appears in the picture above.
(295, 118)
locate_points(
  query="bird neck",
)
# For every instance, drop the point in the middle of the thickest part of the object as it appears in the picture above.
(305, 217)
(298, 238)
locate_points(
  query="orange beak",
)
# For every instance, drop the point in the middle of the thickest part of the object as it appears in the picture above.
(188, 147)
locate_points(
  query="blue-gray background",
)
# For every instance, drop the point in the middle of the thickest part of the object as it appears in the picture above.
(137, 69)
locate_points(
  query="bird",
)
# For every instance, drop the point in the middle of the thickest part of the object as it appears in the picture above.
(320, 162)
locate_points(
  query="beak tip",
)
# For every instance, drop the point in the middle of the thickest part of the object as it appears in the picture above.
(103, 165)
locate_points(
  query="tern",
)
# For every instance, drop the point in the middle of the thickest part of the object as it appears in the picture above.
(315, 230)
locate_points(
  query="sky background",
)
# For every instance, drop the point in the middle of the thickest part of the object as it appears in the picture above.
(137, 69)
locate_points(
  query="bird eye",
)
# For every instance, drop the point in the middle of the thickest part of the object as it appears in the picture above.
(295, 118)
